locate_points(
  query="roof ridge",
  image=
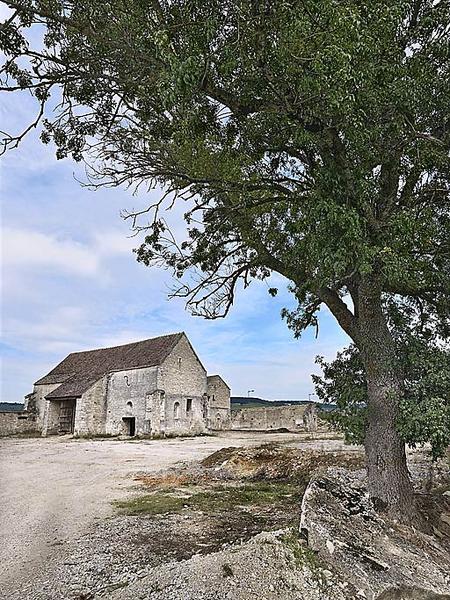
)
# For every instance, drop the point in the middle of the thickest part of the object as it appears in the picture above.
(158, 337)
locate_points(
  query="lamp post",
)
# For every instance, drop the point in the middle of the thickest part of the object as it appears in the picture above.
(249, 392)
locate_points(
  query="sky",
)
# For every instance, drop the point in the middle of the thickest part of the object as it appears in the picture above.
(70, 282)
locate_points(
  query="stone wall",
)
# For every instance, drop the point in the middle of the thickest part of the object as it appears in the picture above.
(168, 399)
(12, 423)
(128, 395)
(218, 392)
(182, 377)
(51, 420)
(219, 419)
(41, 405)
(294, 418)
(219, 405)
(90, 413)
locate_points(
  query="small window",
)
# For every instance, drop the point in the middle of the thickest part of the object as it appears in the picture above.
(176, 410)
(130, 404)
(179, 362)
(188, 405)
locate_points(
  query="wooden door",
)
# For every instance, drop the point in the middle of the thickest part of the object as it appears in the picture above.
(67, 416)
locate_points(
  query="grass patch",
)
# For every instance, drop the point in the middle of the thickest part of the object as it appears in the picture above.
(216, 499)
(254, 493)
(168, 480)
(150, 504)
(305, 557)
(302, 554)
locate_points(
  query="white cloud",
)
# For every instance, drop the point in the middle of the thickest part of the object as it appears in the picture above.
(114, 242)
(27, 249)
(62, 326)
(5, 13)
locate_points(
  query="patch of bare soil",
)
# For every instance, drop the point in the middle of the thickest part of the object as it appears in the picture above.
(194, 532)
(237, 492)
(273, 462)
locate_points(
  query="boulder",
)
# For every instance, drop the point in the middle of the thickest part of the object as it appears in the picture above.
(383, 560)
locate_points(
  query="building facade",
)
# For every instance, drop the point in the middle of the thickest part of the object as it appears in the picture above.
(154, 387)
(219, 403)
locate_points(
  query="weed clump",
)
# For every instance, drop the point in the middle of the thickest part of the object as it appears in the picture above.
(216, 499)
(150, 504)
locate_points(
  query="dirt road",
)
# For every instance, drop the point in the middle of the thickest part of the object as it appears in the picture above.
(53, 489)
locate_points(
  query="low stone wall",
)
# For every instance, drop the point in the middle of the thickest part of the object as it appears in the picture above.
(17, 422)
(294, 418)
(219, 419)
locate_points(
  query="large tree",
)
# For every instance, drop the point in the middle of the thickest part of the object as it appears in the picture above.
(424, 409)
(308, 138)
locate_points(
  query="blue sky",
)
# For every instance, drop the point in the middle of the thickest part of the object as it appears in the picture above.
(70, 282)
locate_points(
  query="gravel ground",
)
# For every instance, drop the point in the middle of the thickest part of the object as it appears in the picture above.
(54, 490)
(124, 549)
(263, 568)
(60, 538)
(106, 558)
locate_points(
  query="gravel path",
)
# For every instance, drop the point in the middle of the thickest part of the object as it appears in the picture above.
(53, 490)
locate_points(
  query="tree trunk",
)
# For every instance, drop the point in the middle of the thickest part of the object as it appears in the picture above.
(389, 482)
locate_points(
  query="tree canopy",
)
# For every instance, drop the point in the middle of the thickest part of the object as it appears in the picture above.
(305, 138)
(311, 138)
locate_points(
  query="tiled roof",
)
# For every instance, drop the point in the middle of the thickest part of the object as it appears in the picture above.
(79, 370)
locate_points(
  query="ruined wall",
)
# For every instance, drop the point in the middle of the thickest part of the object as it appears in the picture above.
(41, 405)
(219, 419)
(12, 423)
(134, 386)
(51, 420)
(219, 406)
(90, 413)
(295, 418)
(183, 379)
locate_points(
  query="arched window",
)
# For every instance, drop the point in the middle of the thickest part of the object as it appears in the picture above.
(129, 404)
(176, 410)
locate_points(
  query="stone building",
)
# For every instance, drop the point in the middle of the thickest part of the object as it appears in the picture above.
(153, 387)
(219, 403)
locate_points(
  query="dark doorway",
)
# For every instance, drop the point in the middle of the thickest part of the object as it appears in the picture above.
(67, 416)
(130, 424)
